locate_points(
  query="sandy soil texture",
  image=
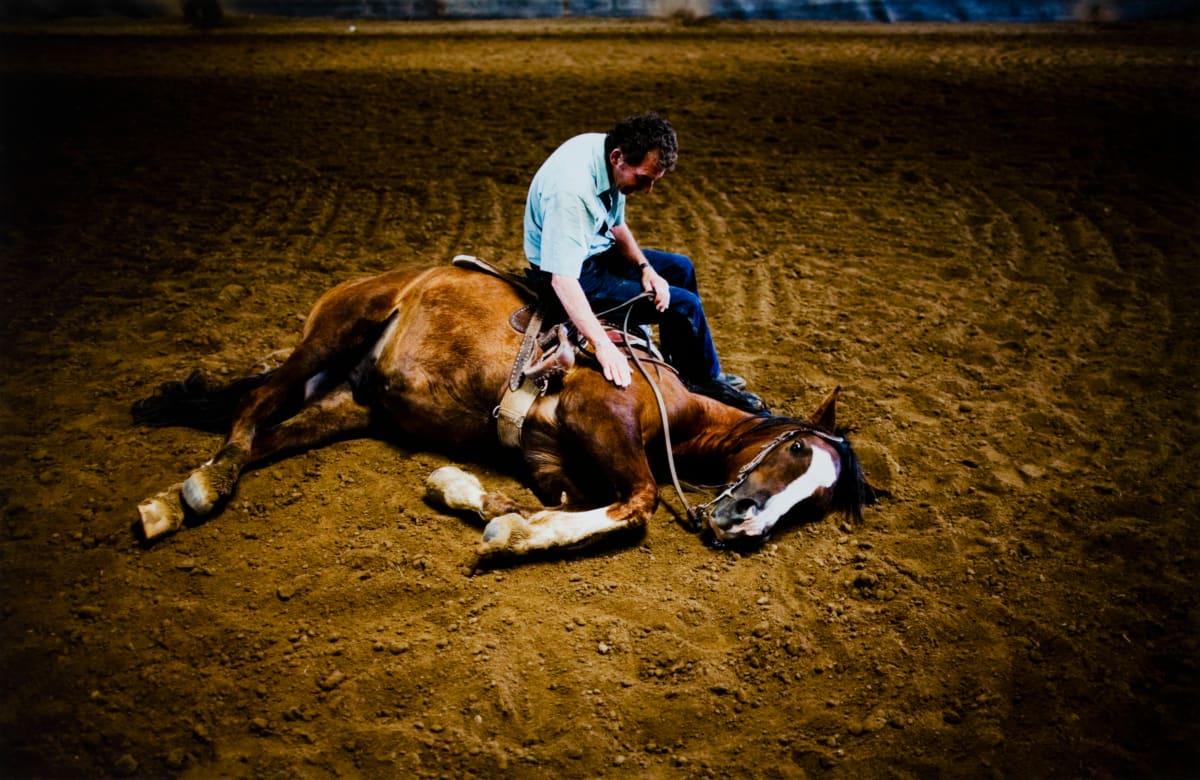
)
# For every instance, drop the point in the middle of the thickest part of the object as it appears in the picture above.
(986, 235)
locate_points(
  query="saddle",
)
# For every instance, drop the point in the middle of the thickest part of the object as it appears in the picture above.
(472, 263)
(548, 351)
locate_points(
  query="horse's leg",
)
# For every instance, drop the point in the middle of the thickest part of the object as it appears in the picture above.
(214, 481)
(345, 320)
(614, 447)
(349, 318)
(337, 415)
(460, 491)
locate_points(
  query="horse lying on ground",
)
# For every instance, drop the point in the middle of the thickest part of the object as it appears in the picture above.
(425, 353)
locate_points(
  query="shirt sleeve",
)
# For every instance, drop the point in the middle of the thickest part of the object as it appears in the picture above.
(568, 226)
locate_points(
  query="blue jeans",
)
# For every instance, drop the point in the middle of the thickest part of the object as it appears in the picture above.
(609, 279)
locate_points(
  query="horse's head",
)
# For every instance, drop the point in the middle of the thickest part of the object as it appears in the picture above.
(792, 466)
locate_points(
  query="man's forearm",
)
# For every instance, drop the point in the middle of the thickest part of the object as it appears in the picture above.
(627, 244)
(613, 363)
(576, 305)
(651, 281)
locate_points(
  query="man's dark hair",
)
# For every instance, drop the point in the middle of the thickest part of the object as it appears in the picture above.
(638, 135)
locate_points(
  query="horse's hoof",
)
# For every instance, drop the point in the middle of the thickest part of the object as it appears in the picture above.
(161, 514)
(454, 488)
(198, 493)
(495, 532)
(504, 534)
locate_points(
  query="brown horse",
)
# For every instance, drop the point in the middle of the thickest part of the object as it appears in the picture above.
(425, 354)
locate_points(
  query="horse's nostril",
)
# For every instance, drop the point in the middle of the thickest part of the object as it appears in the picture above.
(745, 508)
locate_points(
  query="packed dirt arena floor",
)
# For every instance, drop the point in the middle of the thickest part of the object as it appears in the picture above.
(986, 235)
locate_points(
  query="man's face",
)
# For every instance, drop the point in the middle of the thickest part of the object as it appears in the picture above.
(635, 178)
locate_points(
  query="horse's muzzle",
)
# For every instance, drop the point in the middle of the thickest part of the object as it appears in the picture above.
(733, 518)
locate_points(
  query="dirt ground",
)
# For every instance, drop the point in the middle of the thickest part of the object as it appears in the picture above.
(986, 235)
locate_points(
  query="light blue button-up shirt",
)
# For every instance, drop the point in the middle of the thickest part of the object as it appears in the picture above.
(572, 207)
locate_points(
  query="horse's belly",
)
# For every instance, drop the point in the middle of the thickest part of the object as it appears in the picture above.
(440, 368)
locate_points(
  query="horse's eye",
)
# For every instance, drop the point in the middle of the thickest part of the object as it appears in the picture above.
(799, 447)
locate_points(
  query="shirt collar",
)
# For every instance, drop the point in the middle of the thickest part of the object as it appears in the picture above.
(605, 187)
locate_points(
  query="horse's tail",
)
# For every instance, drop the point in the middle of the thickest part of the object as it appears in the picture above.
(196, 402)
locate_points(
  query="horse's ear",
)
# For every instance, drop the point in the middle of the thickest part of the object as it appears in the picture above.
(826, 415)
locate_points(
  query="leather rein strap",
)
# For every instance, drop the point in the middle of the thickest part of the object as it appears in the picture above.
(527, 345)
(693, 519)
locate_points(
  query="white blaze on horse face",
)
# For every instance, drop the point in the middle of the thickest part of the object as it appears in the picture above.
(821, 473)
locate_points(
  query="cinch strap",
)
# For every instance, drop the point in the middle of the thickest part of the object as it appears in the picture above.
(510, 414)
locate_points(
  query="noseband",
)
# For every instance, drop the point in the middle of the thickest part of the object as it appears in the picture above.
(766, 450)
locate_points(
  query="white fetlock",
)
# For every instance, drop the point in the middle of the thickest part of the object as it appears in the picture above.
(507, 533)
(198, 492)
(455, 489)
(161, 514)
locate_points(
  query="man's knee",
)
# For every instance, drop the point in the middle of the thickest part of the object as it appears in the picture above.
(686, 304)
(678, 270)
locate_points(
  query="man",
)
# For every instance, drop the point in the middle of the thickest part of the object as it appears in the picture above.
(584, 255)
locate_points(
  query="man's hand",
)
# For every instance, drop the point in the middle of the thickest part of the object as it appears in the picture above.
(653, 283)
(613, 362)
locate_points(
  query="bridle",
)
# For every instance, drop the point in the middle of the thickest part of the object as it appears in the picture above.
(763, 453)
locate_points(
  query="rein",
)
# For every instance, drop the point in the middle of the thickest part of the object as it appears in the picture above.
(695, 514)
(692, 517)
